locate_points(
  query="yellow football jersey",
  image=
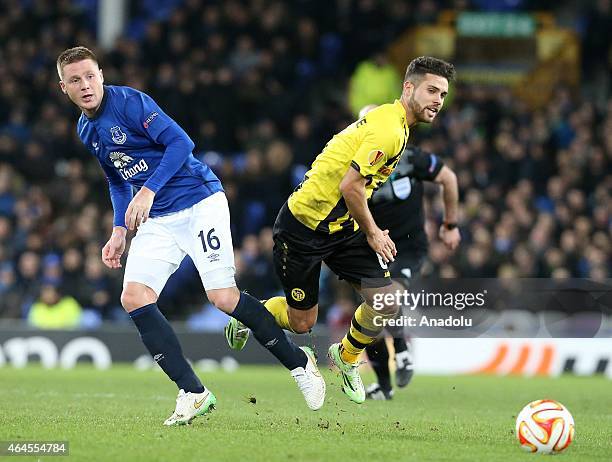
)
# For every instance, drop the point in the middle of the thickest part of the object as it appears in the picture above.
(372, 145)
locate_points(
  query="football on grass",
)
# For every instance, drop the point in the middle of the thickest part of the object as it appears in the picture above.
(545, 426)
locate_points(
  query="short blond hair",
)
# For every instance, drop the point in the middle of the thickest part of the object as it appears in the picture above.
(73, 55)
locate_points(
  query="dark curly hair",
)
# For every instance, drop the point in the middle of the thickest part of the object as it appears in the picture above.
(422, 65)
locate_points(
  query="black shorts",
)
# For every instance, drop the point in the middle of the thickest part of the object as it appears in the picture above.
(408, 263)
(299, 251)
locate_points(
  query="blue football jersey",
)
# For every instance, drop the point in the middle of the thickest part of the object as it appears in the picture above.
(124, 136)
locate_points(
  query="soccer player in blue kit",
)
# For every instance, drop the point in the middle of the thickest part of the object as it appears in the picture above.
(180, 209)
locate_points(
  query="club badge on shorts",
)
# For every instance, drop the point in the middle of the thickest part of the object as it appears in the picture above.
(298, 294)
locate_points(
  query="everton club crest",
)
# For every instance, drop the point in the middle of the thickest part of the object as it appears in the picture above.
(118, 136)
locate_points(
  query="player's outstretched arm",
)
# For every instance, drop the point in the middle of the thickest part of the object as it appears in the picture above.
(353, 190)
(449, 233)
(114, 248)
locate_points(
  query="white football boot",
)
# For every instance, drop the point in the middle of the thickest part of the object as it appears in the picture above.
(310, 381)
(190, 405)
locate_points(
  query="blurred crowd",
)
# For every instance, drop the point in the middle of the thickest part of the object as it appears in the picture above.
(261, 86)
(535, 187)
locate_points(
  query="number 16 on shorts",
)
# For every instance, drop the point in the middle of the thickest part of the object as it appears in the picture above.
(211, 242)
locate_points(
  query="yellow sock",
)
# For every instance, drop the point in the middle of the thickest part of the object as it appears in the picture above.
(279, 309)
(362, 332)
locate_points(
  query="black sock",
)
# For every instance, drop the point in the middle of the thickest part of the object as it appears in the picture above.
(161, 341)
(254, 315)
(399, 341)
(378, 354)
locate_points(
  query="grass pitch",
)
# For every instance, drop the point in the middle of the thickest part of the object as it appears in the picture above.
(117, 415)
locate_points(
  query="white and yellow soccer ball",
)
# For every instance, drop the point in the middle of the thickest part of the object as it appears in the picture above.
(545, 426)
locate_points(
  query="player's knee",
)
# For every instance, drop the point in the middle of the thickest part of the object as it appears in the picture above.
(302, 321)
(224, 299)
(301, 326)
(382, 300)
(381, 309)
(388, 310)
(136, 296)
(131, 301)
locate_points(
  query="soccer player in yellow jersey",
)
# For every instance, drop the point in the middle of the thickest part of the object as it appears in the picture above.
(327, 219)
